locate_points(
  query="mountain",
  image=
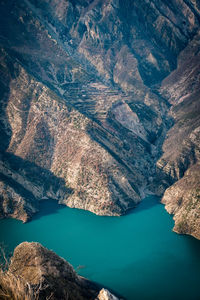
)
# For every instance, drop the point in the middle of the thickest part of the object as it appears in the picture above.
(99, 106)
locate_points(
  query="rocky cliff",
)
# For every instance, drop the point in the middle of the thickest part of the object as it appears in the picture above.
(38, 273)
(89, 92)
(181, 150)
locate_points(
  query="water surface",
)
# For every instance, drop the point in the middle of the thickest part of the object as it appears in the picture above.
(136, 255)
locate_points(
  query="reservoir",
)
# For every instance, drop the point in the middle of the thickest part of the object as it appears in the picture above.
(137, 255)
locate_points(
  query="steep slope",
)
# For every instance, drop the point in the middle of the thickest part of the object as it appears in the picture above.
(50, 139)
(181, 158)
(38, 273)
(84, 105)
(182, 200)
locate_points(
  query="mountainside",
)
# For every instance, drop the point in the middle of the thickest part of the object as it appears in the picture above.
(181, 157)
(38, 273)
(99, 106)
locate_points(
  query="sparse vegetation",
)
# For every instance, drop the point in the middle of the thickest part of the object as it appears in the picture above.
(14, 287)
(182, 226)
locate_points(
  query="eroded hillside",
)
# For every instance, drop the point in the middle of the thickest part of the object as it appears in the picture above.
(89, 91)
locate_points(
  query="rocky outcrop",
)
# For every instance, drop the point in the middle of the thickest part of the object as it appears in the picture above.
(41, 274)
(105, 295)
(16, 201)
(86, 91)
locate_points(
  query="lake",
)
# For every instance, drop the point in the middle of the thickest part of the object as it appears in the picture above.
(136, 255)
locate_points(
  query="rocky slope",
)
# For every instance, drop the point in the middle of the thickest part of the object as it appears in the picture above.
(182, 200)
(51, 140)
(88, 94)
(38, 273)
(181, 150)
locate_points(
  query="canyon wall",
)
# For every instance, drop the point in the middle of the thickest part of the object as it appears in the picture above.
(99, 106)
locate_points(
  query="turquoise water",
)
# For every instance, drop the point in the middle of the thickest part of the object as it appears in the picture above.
(136, 255)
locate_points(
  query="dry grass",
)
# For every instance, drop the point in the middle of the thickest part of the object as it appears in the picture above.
(15, 287)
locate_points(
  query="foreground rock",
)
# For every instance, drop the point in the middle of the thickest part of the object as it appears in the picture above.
(45, 274)
(105, 295)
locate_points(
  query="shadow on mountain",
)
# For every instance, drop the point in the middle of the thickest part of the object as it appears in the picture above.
(43, 181)
(47, 207)
(147, 203)
(129, 151)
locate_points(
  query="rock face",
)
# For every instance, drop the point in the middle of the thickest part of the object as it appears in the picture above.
(72, 167)
(89, 91)
(49, 276)
(181, 150)
(182, 200)
(105, 295)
